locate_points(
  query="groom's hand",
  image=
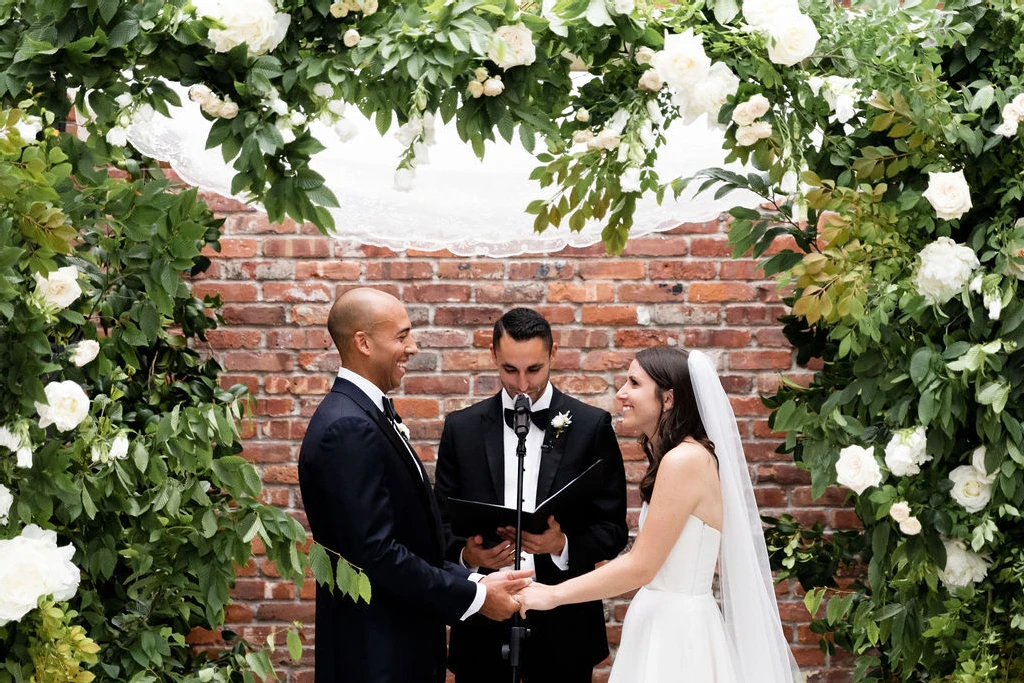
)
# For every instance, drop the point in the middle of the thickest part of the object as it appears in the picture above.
(475, 555)
(551, 542)
(501, 601)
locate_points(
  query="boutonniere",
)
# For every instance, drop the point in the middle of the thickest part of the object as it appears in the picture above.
(403, 430)
(560, 422)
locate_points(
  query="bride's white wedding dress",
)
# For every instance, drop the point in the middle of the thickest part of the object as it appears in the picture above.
(674, 631)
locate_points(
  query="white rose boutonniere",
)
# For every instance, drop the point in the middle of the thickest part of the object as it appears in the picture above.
(403, 430)
(560, 422)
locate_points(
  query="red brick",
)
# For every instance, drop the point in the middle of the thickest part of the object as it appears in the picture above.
(259, 362)
(580, 338)
(656, 292)
(541, 271)
(643, 338)
(762, 359)
(234, 339)
(683, 270)
(437, 384)
(721, 291)
(298, 247)
(328, 270)
(399, 270)
(467, 360)
(577, 385)
(320, 361)
(711, 246)
(310, 314)
(741, 270)
(253, 223)
(607, 360)
(228, 291)
(557, 315)
(416, 407)
(590, 292)
(265, 451)
(297, 384)
(471, 270)
(609, 315)
(467, 315)
(436, 293)
(526, 293)
(281, 474)
(782, 474)
(298, 339)
(254, 314)
(657, 245)
(234, 247)
(613, 269)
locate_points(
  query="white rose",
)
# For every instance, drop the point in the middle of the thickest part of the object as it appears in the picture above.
(369, 7)
(682, 63)
(119, 448)
(338, 10)
(476, 89)
(792, 39)
(277, 105)
(618, 121)
(253, 22)
(624, 6)
(900, 511)
(945, 268)
(345, 130)
(297, 118)
(650, 80)
(60, 288)
(963, 567)
(85, 352)
(749, 111)
(647, 137)
(906, 451)
(228, 110)
(323, 90)
(1007, 129)
(857, 469)
(409, 131)
(630, 180)
(123, 100)
(970, 488)
(644, 55)
(6, 500)
(336, 107)
(405, 179)
(948, 194)
(749, 135)
(911, 526)
(34, 566)
(66, 406)
(350, 38)
(285, 129)
(978, 462)
(605, 139)
(493, 87)
(654, 112)
(481, 73)
(767, 12)
(993, 301)
(143, 113)
(512, 46)
(582, 137)
(582, 115)
(9, 439)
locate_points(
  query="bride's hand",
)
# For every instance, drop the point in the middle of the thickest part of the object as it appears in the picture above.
(537, 596)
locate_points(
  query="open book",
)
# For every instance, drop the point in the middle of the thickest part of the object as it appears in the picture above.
(470, 517)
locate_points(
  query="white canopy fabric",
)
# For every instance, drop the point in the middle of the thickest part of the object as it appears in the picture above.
(468, 206)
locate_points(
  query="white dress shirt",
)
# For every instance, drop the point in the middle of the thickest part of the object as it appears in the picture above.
(374, 393)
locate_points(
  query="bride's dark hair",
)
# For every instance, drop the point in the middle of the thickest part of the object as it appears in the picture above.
(670, 369)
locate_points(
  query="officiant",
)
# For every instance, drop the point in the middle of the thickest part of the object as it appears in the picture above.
(477, 460)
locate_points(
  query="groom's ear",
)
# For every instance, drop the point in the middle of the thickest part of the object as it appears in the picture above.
(361, 343)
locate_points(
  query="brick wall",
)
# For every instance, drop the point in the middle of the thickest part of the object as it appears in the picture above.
(277, 283)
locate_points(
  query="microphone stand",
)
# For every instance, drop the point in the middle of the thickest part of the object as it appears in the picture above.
(514, 649)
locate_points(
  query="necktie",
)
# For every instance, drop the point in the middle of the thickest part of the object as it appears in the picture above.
(539, 417)
(389, 411)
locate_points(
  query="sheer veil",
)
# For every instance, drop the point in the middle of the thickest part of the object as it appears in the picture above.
(748, 594)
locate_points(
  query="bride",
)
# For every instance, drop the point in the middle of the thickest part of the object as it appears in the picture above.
(698, 510)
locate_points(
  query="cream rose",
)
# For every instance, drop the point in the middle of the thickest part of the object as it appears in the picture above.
(963, 567)
(512, 46)
(792, 39)
(911, 526)
(752, 109)
(900, 511)
(66, 406)
(650, 80)
(682, 63)
(350, 38)
(948, 194)
(857, 469)
(253, 22)
(971, 488)
(60, 288)
(749, 135)
(493, 87)
(946, 267)
(476, 89)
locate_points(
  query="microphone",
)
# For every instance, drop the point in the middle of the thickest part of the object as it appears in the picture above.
(521, 424)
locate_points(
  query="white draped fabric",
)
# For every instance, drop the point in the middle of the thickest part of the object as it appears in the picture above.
(459, 203)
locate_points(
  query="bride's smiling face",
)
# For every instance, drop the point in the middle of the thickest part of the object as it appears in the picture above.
(641, 405)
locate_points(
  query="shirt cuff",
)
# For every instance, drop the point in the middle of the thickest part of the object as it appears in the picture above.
(562, 559)
(481, 595)
(462, 561)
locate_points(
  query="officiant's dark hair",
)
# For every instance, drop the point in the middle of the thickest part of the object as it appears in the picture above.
(670, 369)
(523, 324)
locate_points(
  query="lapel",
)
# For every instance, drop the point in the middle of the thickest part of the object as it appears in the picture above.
(492, 427)
(551, 451)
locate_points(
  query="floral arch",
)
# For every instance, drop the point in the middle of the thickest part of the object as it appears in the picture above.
(883, 139)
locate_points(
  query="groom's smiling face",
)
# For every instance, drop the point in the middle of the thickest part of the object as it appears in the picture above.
(523, 366)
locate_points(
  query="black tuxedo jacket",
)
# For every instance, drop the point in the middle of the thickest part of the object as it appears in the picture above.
(470, 464)
(367, 499)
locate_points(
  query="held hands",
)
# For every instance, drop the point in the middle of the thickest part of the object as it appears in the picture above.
(502, 599)
(551, 542)
(501, 555)
(538, 596)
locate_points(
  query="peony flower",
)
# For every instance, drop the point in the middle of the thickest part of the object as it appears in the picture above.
(792, 39)
(911, 526)
(978, 462)
(682, 63)
(857, 469)
(945, 268)
(493, 87)
(60, 288)
(628, 182)
(963, 567)
(6, 500)
(900, 511)
(66, 406)
(34, 566)
(749, 111)
(253, 22)
(650, 80)
(512, 46)
(905, 452)
(85, 352)
(350, 38)
(948, 194)
(760, 13)
(971, 488)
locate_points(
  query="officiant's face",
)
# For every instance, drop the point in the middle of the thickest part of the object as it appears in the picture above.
(523, 366)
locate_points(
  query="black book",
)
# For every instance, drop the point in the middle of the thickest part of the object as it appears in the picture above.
(471, 518)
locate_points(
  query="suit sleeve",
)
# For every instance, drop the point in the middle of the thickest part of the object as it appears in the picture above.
(362, 515)
(604, 534)
(446, 483)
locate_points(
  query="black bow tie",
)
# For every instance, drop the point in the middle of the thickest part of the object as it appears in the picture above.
(539, 417)
(389, 411)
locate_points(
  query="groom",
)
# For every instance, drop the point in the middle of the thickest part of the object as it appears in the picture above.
(367, 498)
(477, 460)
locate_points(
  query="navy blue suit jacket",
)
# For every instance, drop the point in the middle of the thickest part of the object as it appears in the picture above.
(366, 498)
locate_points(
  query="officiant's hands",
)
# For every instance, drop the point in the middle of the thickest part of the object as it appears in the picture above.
(551, 542)
(501, 555)
(503, 590)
